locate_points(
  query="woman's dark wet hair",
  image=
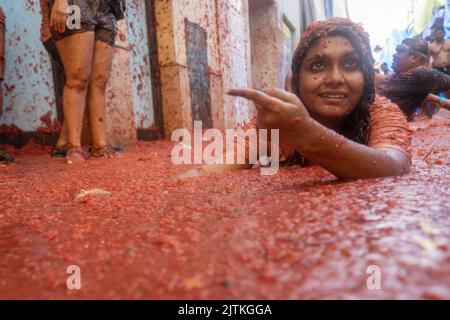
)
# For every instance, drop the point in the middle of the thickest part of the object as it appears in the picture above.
(356, 126)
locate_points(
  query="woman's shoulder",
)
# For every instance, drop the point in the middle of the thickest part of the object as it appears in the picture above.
(389, 126)
(383, 104)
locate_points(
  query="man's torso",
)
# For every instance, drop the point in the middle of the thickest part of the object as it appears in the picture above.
(441, 54)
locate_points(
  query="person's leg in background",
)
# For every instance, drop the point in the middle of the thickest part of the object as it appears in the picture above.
(76, 53)
(60, 148)
(105, 34)
(58, 72)
(101, 71)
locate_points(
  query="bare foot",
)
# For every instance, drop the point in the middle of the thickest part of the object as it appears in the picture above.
(103, 152)
(75, 155)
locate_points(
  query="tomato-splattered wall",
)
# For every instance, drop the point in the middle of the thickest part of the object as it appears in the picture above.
(245, 47)
(140, 64)
(120, 99)
(275, 28)
(228, 51)
(234, 39)
(28, 86)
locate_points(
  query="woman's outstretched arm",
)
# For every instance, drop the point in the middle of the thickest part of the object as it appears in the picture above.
(441, 102)
(344, 158)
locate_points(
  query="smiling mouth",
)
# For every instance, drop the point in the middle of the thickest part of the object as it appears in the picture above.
(333, 96)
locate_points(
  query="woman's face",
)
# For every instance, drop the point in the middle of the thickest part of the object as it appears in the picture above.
(331, 80)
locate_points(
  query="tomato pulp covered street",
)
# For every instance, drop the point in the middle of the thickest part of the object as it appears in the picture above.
(296, 235)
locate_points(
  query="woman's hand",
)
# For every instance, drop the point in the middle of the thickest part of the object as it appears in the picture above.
(59, 15)
(445, 104)
(441, 102)
(277, 109)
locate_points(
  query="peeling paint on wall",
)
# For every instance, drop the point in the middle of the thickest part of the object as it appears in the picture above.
(198, 73)
(120, 115)
(140, 64)
(234, 39)
(228, 50)
(28, 86)
(275, 30)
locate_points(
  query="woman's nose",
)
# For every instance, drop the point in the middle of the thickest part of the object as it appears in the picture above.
(335, 76)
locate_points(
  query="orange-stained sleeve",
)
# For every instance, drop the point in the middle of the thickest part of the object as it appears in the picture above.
(389, 127)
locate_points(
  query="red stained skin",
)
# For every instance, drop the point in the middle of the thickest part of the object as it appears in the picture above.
(300, 234)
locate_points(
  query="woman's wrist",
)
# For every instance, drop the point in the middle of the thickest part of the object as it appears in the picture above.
(311, 137)
(299, 132)
(444, 103)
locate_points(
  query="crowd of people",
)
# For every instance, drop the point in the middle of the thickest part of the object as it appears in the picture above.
(421, 73)
(338, 112)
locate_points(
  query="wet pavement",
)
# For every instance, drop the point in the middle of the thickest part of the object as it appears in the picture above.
(301, 234)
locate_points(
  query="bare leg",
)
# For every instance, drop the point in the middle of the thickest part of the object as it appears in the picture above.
(63, 138)
(76, 53)
(101, 71)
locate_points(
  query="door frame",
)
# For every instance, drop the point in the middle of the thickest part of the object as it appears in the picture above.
(150, 9)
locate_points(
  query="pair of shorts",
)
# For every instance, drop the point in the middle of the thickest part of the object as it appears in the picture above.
(96, 16)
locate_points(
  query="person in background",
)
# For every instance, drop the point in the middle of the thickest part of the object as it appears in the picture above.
(413, 82)
(440, 51)
(86, 54)
(377, 56)
(4, 157)
(60, 149)
(439, 48)
(385, 69)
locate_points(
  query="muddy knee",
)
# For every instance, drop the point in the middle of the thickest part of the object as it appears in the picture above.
(99, 82)
(78, 81)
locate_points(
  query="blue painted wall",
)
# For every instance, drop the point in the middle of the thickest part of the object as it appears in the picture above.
(140, 64)
(28, 86)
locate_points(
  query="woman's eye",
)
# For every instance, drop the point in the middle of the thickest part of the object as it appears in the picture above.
(318, 65)
(351, 63)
